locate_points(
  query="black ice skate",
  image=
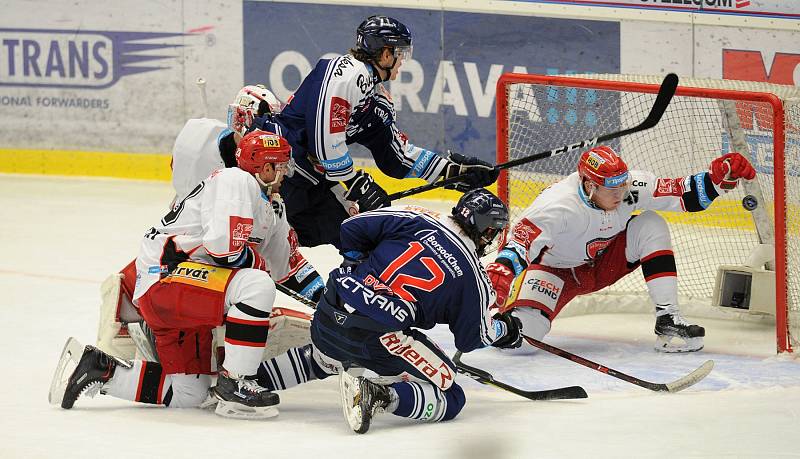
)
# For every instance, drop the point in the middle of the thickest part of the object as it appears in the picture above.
(241, 397)
(361, 400)
(670, 324)
(94, 369)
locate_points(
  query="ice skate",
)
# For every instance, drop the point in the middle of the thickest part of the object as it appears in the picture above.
(241, 397)
(670, 324)
(361, 400)
(93, 370)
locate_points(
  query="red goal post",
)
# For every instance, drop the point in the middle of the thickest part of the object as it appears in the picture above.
(705, 119)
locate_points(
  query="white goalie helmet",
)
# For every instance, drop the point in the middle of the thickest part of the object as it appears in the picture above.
(251, 102)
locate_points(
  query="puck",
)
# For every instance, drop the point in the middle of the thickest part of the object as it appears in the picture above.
(749, 202)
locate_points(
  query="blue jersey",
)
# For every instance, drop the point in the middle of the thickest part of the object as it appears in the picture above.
(335, 107)
(418, 270)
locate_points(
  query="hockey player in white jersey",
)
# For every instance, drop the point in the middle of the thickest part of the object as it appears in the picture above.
(579, 236)
(202, 266)
(203, 146)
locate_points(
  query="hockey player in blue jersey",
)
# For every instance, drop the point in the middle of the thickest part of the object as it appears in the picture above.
(342, 102)
(405, 270)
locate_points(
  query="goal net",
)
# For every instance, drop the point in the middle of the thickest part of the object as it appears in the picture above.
(705, 119)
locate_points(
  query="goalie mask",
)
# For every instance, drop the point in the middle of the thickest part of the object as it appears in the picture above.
(251, 102)
(259, 148)
(482, 216)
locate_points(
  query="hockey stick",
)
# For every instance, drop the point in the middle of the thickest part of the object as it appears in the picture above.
(483, 377)
(476, 373)
(665, 93)
(678, 385)
(295, 295)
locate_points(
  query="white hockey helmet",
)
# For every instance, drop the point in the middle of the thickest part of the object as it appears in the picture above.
(252, 101)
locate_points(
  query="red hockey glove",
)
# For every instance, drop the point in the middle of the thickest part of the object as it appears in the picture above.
(728, 169)
(501, 277)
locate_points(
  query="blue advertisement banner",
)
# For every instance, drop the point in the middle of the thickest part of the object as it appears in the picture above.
(444, 96)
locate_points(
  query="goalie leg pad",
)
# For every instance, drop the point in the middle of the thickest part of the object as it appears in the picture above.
(112, 338)
(288, 328)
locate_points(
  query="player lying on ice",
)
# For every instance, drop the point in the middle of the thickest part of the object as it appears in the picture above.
(579, 236)
(406, 269)
(341, 102)
(203, 265)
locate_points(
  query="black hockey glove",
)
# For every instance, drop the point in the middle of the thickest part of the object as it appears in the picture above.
(370, 119)
(369, 195)
(477, 173)
(513, 337)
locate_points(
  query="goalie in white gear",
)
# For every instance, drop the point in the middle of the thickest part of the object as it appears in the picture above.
(204, 265)
(580, 235)
(203, 146)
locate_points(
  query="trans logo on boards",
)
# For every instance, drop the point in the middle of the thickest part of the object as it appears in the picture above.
(78, 59)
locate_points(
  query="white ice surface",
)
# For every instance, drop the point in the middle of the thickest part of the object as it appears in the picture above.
(62, 237)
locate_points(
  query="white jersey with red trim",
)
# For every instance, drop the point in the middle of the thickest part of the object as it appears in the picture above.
(562, 228)
(196, 154)
(226, 221)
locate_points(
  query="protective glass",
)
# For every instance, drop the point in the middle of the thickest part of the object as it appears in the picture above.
(403, 53)
(615, 192)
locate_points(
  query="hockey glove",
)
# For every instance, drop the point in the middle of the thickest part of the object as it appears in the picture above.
(501, 277)
(369, 195)
(726, 171)
(512, 338)
(477, 173)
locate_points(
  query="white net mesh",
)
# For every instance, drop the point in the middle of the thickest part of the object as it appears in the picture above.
(692, 132)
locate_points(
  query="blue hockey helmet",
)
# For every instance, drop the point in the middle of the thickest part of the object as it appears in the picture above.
(377, 32)
(482, 216)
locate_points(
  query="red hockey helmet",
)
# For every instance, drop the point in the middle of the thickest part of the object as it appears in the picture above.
(261, 147)
(603, 166)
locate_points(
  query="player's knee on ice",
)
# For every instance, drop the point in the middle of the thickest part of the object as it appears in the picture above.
(455, 402)
(534, 323)
(189, 391)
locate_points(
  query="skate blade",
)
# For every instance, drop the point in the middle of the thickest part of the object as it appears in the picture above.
(210, 401)
(351, 408)
(664, 344)
(70, 356)
(234, 410)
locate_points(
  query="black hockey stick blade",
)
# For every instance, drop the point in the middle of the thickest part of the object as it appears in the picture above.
(675, 386)
(483, 377)
(288, 292)
(665, 93)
